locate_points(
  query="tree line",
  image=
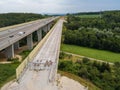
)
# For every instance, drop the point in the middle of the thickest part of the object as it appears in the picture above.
(100, 33)
(8, 19)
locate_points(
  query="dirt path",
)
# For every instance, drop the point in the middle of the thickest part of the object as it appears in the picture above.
(86, 57)
(19, 57)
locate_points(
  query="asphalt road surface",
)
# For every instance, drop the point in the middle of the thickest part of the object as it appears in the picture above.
(10, 36)
(41, 72)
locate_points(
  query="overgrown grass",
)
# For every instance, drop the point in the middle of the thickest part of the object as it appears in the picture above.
(80, 80)
(7, 72)
(93, 53)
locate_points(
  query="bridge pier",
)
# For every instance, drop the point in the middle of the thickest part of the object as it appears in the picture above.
(30, 42)
(16, 45)
(45, 29)
(9, 51)
(48, 27)
(51, 24)
(39, 34)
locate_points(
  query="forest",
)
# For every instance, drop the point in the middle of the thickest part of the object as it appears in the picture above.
(101, 33)
(8, 19)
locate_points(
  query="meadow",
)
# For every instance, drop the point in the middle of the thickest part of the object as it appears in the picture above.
(92, 53)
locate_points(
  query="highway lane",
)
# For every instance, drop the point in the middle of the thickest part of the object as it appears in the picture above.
(6, 40)
(9, 31)
(39, 77)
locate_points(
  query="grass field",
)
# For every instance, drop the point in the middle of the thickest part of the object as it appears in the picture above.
(93, 53)
(89, 16)
(80, 80)
(7, 72)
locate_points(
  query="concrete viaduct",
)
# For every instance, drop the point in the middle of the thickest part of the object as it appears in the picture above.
(10, 36)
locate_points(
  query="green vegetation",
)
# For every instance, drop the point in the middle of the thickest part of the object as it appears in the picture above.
(89, 36)
(17, 18)
(80, 80)
(101, 33)
(7, 72)
(88, 13)
(89, 16)
(25, 53)
(101, 74)
(93, 53)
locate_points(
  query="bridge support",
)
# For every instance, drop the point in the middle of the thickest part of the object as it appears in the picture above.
(9, 51)
(51, 24)
(45, 29)
(48, 27)
(29, 42)
(16, 45)
(39, 34)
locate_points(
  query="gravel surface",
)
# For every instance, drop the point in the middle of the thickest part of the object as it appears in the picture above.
(69, 84)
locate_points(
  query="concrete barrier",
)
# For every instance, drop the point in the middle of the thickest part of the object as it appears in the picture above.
(53, 71)
(23, 66)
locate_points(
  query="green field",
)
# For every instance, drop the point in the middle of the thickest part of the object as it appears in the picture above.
(89, 16)
(93, 53)
(7, 72)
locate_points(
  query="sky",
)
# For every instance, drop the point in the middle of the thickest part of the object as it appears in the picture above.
(57, 6)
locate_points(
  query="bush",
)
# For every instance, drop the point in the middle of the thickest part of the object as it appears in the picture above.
(62, 55)
(98, 73)
(85, 60)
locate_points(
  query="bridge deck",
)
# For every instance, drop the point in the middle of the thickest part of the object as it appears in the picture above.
(10, 36)
(42, 69)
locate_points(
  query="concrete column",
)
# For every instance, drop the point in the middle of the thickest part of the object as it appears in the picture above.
(16, 45)
(29, 42)
(50, 24)
(39, 34)
(45, 28)
(9, 51)
(48, 27)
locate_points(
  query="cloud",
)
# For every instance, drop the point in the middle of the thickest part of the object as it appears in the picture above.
(57, 6)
